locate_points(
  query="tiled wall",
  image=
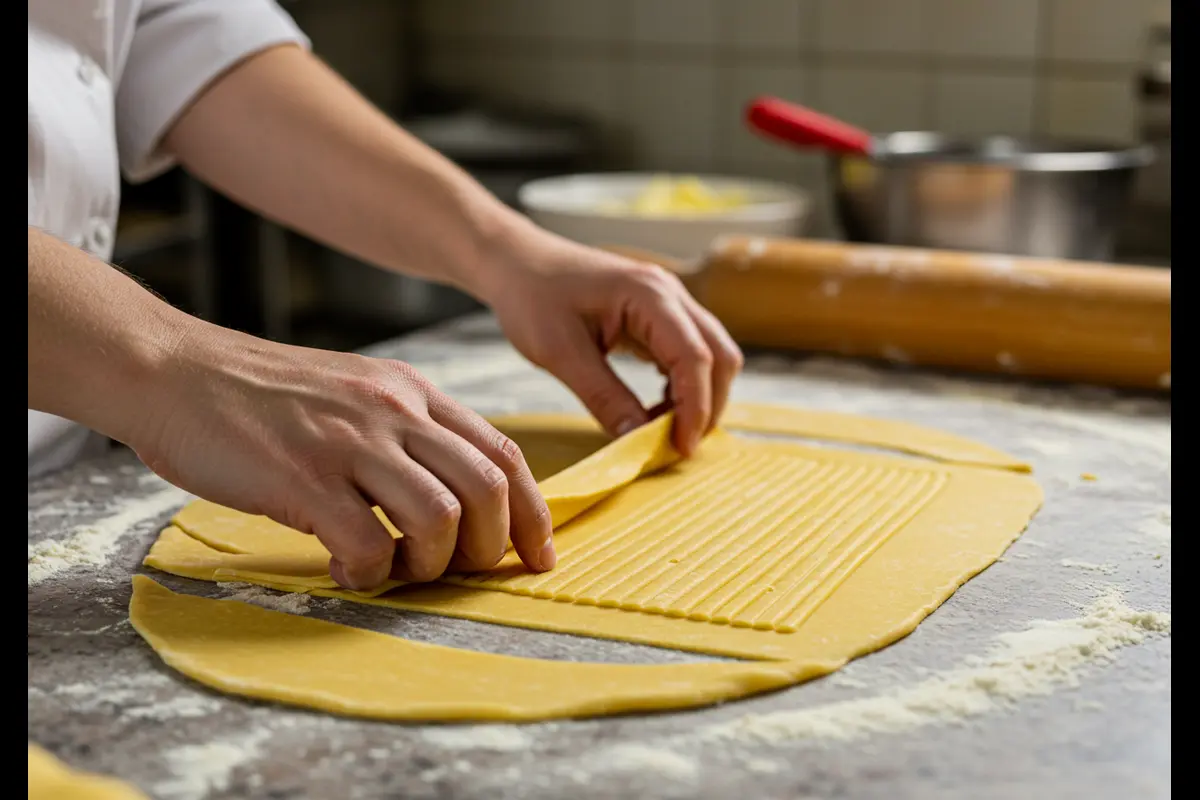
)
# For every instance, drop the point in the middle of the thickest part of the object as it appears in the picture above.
(667, 78)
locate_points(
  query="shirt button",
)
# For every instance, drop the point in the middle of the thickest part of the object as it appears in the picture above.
(100, 236)
(87, 71)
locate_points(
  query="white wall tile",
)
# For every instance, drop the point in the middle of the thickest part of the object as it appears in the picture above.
(871, 26)
(1089, 108)
(769, 26)
(539, 81)
(358, 39)
(679, 22)
(587, 86)
(740, 84)
(456, 68)
(442, 19)
(563, 20)
(978, 103)
(879, 100)
(984, 28)
(1110, 31)
(672, 113)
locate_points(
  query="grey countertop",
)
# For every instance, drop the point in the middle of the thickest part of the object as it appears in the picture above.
(989, 698)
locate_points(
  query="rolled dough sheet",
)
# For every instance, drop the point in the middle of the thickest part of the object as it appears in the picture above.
(771, 551)
(50, 779)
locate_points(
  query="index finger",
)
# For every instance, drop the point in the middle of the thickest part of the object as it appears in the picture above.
(529, 516)
(677, 346)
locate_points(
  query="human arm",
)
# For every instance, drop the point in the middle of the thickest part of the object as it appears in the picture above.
(282, 134)
(309, 438)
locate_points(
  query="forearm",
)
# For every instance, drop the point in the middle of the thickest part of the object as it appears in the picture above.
(95, 338)
(284, 135)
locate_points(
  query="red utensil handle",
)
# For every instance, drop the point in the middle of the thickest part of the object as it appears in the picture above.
(804, 127)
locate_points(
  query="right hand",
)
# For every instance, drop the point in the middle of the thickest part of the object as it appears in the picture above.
(312, 439)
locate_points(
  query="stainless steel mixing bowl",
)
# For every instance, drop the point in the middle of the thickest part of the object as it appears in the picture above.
(1040, 198)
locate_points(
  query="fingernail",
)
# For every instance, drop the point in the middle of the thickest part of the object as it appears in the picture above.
(548, 558)
(625, 426)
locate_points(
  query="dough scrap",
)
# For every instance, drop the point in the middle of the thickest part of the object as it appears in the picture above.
(51, 779)
(771, 551)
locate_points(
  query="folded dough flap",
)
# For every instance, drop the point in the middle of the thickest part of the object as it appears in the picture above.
(579, 487)
(280, 551)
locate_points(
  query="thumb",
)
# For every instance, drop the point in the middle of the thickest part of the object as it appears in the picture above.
(587, 373)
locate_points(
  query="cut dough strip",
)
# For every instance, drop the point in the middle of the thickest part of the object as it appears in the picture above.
(269, 655)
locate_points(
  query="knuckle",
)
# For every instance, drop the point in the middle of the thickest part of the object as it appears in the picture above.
(737, 360)
(542, 519)
(495, 482)
(383, 390)
(656, 280)
(549, 350)
(508, 454)
(699, 354)
(444, 512)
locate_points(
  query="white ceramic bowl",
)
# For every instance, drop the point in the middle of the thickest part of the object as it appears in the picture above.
(573, 206)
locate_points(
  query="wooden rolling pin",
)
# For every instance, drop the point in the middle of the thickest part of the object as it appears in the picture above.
(1066, 320)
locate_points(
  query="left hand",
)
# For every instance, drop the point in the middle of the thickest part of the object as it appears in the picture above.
(565, 307)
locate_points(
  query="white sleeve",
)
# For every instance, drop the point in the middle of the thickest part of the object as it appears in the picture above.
(178, 48)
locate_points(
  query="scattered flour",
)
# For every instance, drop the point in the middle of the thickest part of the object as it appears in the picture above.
(1157, 527)
(846, 682)
(291, 603)
(637, 758)
(500, 738)
(493, 362)
(1047, 447)
(189, 706)
(1048, 655)
(1104, 569)
(761, 765)
(199, 770)
(102, 695)
(135, 697)
(92, 545)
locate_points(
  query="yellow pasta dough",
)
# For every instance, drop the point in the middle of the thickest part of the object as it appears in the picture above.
(764, 550)
(50, 779)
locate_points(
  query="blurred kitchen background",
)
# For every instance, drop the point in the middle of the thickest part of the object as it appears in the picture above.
(518, 89)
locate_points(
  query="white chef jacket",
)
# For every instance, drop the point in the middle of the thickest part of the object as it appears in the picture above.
(106, 80)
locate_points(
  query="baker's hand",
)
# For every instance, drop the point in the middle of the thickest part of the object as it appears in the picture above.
(566, 307)
(312, 439)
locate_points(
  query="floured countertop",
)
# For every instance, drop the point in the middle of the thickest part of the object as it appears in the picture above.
(1049, 675)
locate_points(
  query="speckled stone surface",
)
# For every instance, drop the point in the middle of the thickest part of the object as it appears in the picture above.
(100, 699)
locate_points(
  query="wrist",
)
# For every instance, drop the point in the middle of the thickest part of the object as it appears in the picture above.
(146, 374)
(510, 252)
